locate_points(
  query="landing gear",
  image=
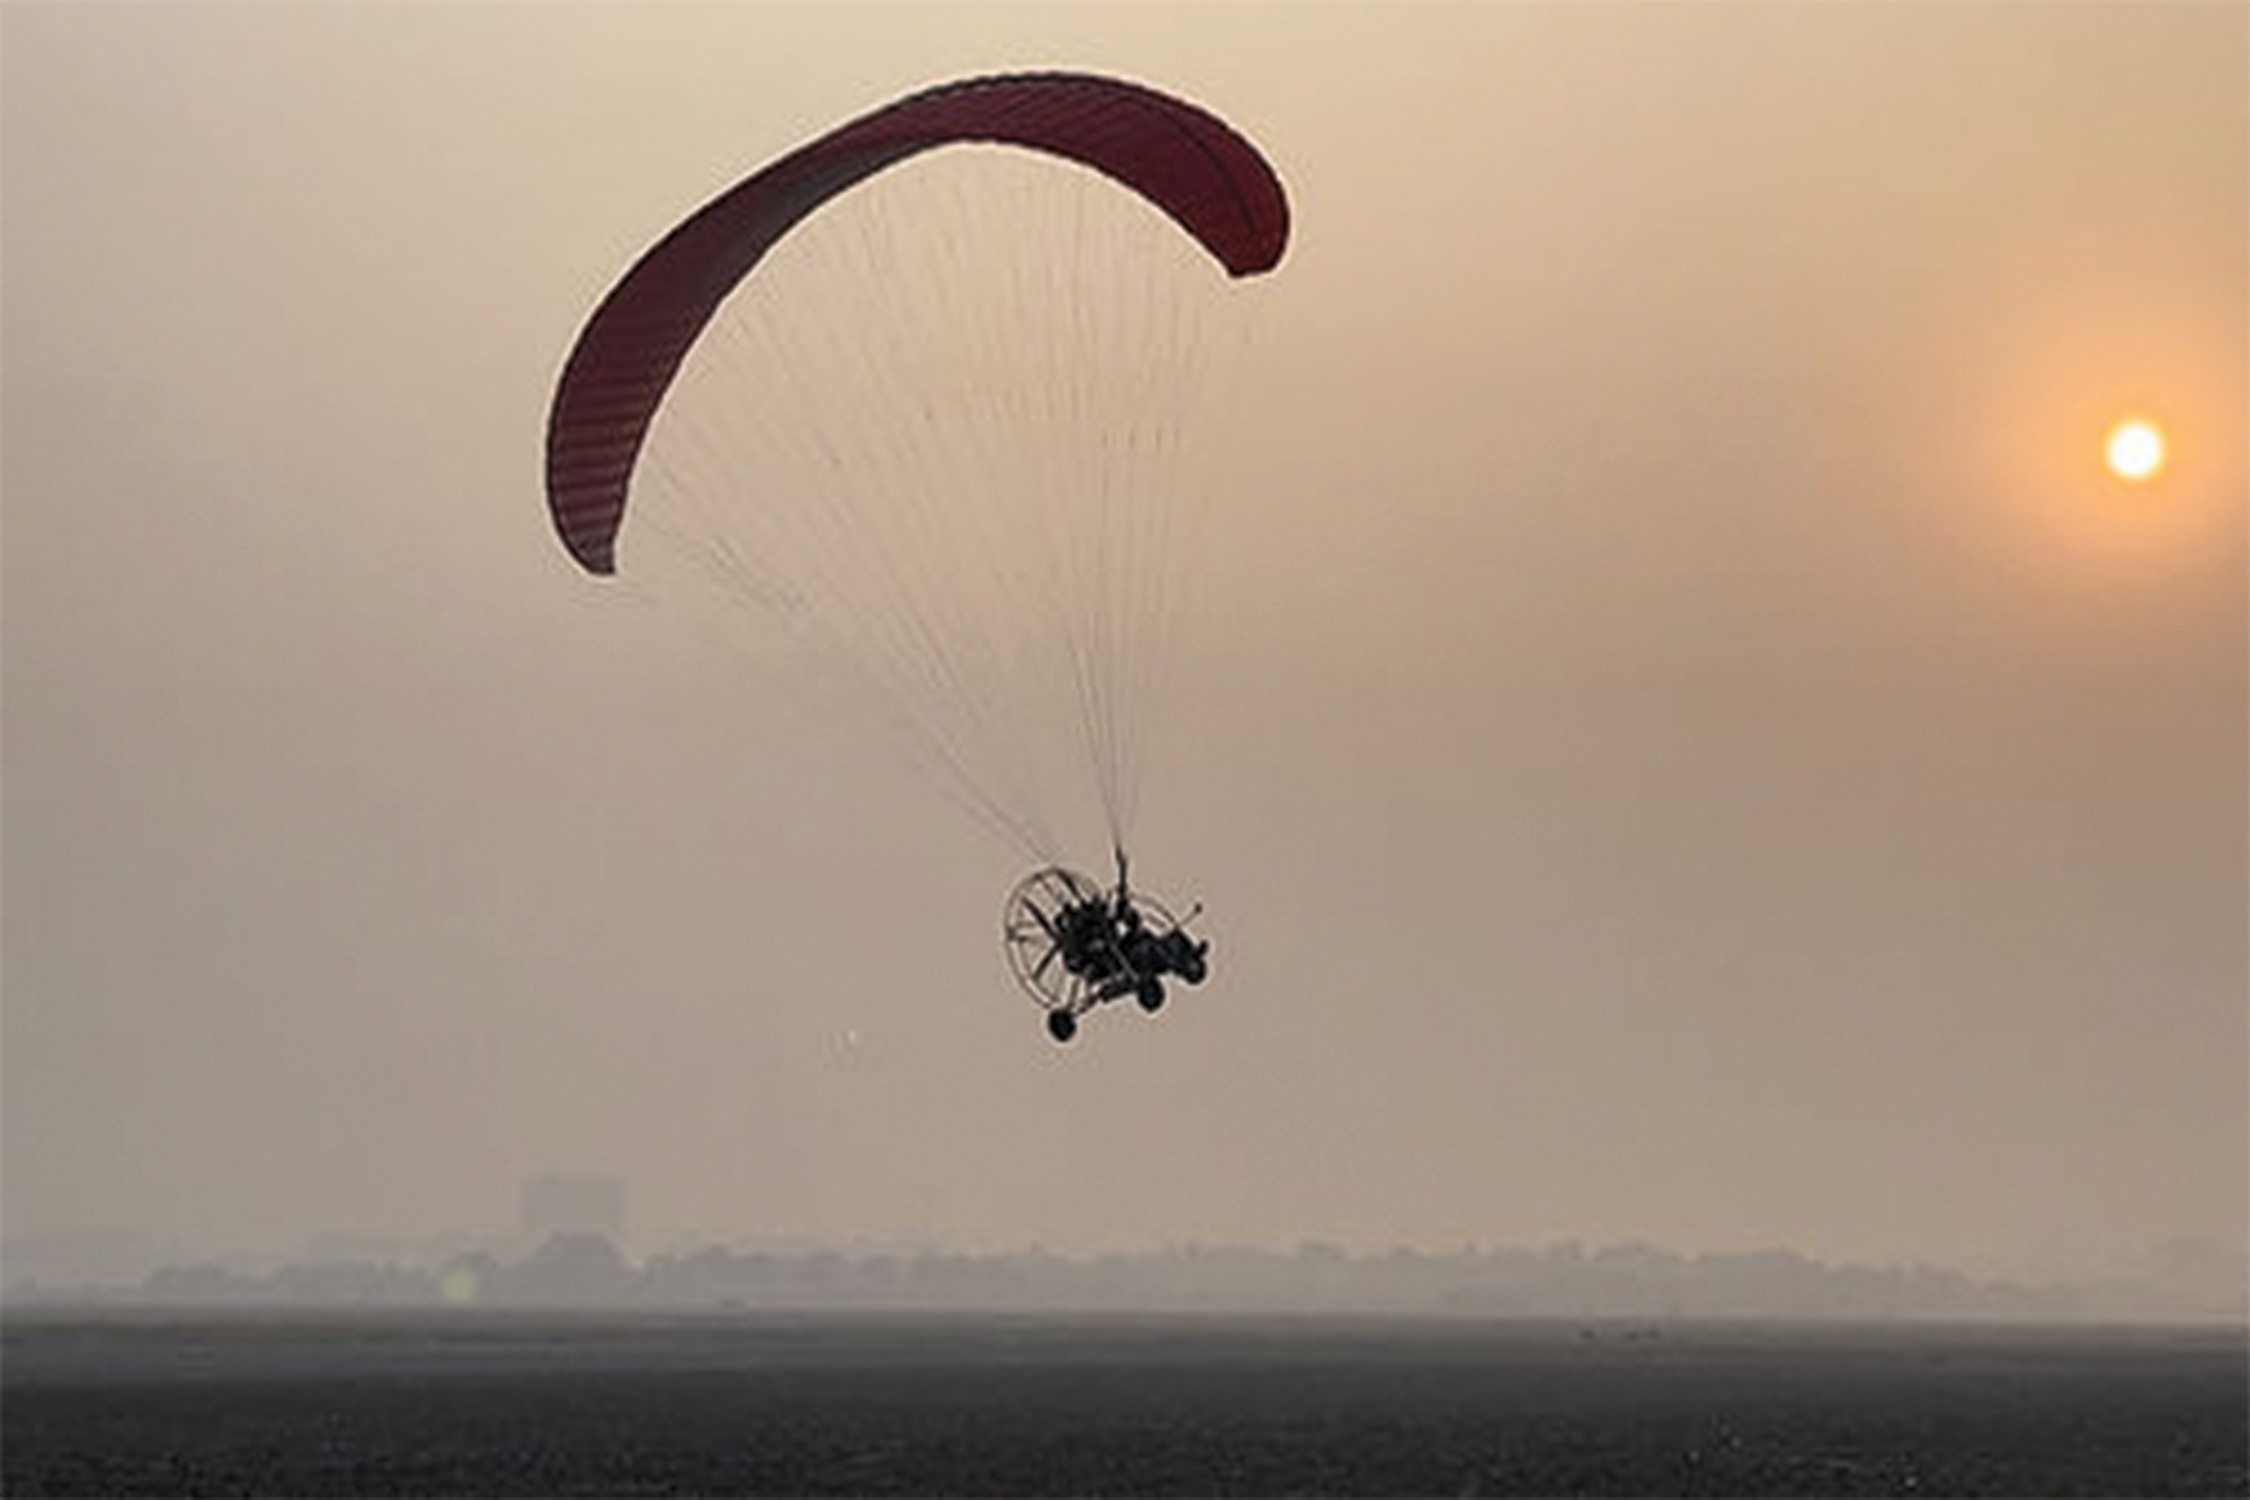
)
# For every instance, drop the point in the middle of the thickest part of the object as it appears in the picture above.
(1073, 946)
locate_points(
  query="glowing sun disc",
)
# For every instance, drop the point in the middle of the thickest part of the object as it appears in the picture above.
(2136, 450)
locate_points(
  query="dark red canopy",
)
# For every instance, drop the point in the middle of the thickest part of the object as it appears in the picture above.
(1185, 161)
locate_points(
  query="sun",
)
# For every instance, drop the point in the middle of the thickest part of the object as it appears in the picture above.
(2136, 450)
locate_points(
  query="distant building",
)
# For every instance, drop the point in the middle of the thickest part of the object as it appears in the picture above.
(572, 1204)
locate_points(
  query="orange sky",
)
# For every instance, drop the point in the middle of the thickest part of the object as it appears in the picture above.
(1686, 739)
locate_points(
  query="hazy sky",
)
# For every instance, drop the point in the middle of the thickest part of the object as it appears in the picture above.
(1685, 741)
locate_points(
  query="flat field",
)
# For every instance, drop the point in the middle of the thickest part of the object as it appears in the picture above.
(561, 1404)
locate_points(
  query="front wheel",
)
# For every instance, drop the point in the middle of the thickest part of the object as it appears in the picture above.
(1150, 992)
(1061, 1025)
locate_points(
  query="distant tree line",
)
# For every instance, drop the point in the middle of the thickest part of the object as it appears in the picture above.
(1631, 1281)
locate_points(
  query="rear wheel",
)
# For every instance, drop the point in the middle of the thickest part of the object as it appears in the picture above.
(1061, 1025)
(1150, 992)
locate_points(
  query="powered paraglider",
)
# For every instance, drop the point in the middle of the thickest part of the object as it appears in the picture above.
(939, 440)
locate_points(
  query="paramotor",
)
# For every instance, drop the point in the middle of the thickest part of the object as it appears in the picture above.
(1031, 570)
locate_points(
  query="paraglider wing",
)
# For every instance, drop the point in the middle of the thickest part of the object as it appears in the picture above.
(1186, 162)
